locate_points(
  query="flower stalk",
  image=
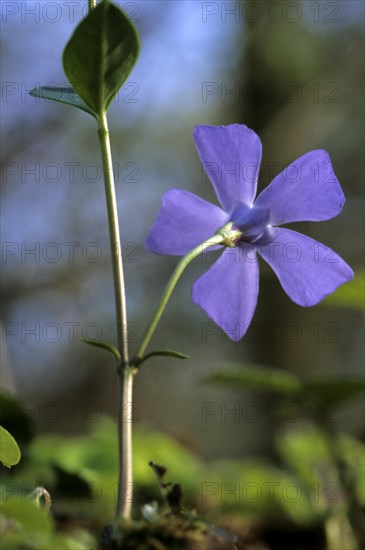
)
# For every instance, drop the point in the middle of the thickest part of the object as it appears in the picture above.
(226, 236)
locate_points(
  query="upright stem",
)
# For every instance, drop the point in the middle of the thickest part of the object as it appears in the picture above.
(92, 4)
(125, 373)
(125, 419)
(181, 266)
(116, 249)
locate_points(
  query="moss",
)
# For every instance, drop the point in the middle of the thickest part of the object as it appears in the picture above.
(167, 533)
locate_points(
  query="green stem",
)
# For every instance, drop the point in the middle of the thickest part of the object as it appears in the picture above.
(181, 266)
(125, 373)
(92, 4)
(125, 419)
(116, 249)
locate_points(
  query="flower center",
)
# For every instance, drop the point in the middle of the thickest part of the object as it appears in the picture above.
(254, 223)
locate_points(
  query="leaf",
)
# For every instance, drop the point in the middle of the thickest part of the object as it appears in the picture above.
(263, 491)
(326, 391)
(304, 449)
(104, 345)
(335, 391)
(163, 353)
(33, 519)
(62, 95)
(9, 450)
(100, 55)
(353, 452)
(258, 378)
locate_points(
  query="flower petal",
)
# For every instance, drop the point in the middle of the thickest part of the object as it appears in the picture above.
(228, 291)
(231, 157)
(183, 222)
(307, 190)
(307, 269)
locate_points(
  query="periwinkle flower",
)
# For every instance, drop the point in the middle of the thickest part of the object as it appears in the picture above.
(307, 190)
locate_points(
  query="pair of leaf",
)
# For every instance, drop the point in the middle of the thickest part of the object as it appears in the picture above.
(114, 351)
(97, 60)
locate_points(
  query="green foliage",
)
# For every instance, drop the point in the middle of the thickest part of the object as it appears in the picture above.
(24, 525)
(305, 450)
(303, 489)
(332, 469)
(62, 95)
(334, 391)
(311, 455)
(257, 488)
(257, 378)
(32, 518)
(71, 464)
(9, 450)
(326, 392)
(353, 452)
(100, 55)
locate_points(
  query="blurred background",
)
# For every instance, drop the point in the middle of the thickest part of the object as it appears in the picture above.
(291, 71)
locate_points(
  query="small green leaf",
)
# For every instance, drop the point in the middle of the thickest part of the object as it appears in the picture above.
(9, 450)
(100, 55)
(62, 95)
(257, 378)
(335, 391)
(104, 345)
(164, 353)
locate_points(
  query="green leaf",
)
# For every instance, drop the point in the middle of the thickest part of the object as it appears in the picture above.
(257, 378)
(164, 353)
(103, 345)
(100, 55)
(335, 391)
(62, 95)
(304, 449)
(9, 450)
(269, 484)
(32, 518)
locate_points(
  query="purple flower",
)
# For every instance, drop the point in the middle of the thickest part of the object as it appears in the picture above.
(307, 190)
